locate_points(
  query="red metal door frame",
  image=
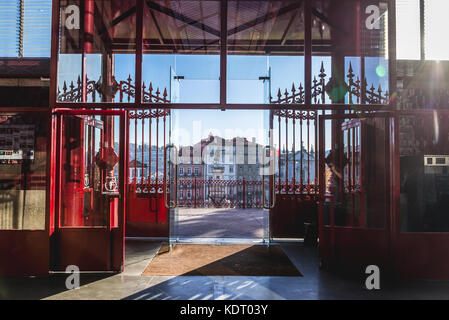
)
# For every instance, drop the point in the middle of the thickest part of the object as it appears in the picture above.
(27, 252)
(349, 235)
(428, 259)
(92, 240)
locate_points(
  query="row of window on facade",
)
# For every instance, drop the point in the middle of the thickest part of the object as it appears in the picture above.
(227, 159)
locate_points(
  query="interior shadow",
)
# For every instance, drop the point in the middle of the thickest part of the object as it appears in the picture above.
(220, 260)
(36, 288)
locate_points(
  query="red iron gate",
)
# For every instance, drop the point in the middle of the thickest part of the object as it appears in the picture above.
(146, 212)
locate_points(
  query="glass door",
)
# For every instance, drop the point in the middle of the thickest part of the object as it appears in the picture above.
(354, 179)
(91, 167)
(218, 169)
(174, 86)
(170, 182)
(268, 176)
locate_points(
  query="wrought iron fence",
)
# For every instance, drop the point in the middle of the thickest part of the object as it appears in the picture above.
(355, 88)
(203, 193)
(200, 193)
(124, 91)
(297, 167)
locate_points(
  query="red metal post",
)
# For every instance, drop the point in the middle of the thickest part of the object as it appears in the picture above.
(149, 146)
(294, 156)
(300, 155)
(286, 154)
(89, 7)
(143, 148)
(194, 190)
(244, 193)
(135, 150)
(157, 153)
(279, 158)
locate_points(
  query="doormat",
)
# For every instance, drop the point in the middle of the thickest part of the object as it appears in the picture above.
(221, 260)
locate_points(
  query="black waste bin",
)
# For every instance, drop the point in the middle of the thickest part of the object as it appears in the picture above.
(310, 234)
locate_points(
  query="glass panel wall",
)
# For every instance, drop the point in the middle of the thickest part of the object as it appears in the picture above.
(23, 178)
(424, 172)
(181, 52)
(356, 175)
(350, 52)
(265, 52)
(96, 53)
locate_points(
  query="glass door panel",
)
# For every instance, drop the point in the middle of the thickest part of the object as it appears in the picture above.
(91, 170)
(215, 167)
(354, 212)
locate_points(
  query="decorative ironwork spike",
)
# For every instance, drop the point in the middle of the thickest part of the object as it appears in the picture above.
(350, 68)
(79, 81)
(157, 92)
(64, 87)
(379, 90)
(151, 87)
(165, 93)
(279, 93)
(72, 86)
(293, 87)
(143, 90)
(372, 87)
(129, 78)
(322, 67)
(286, 92)
(300, 86)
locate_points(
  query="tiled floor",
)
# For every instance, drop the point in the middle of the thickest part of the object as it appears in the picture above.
(315, 284)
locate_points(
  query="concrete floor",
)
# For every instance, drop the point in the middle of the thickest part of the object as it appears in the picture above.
(315, 284)
(221, 223)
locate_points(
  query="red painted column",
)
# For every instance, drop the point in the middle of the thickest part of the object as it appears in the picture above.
(194, 190)
(89, 8)
(244, 194)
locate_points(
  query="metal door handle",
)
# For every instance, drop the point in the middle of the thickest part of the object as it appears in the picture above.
(174, 203)
(269, 206)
